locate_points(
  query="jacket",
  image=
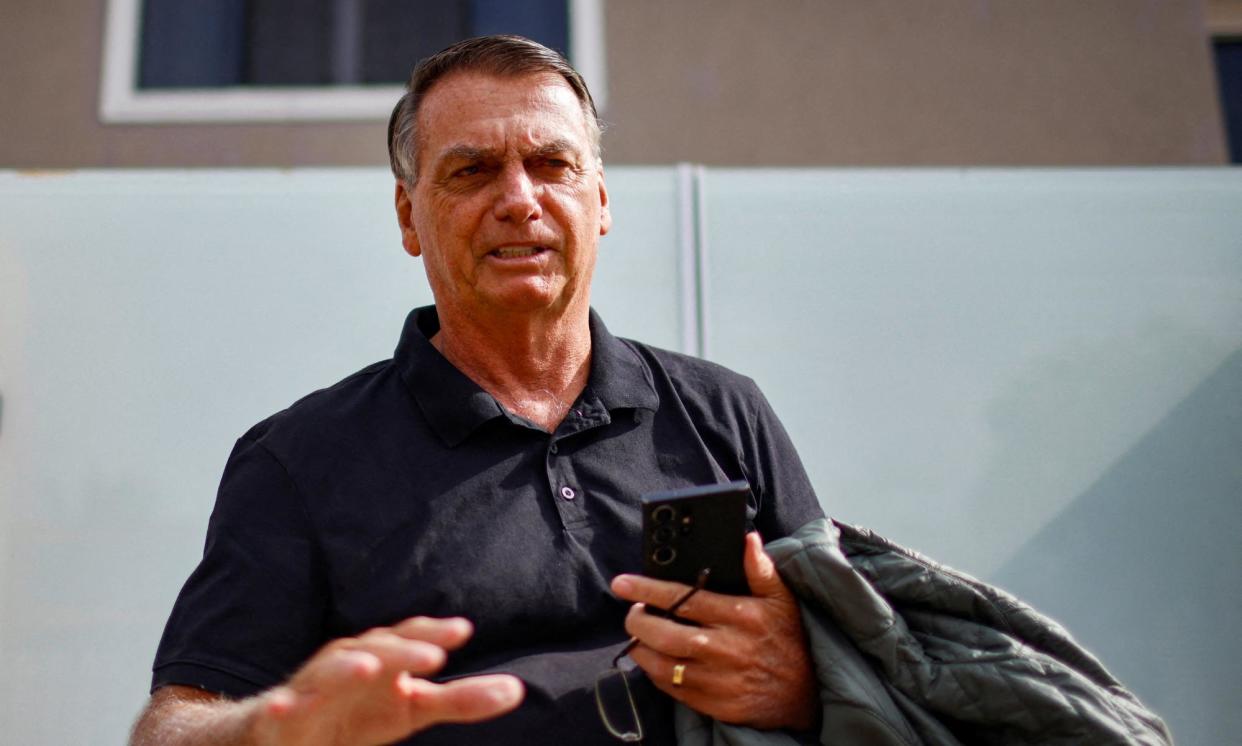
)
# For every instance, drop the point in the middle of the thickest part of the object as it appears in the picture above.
(907, 651)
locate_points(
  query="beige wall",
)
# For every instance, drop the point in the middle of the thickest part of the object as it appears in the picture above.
(50, 52)
(740, 82)
(895, 82)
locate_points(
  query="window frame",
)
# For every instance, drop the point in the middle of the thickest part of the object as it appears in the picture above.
(122, 102)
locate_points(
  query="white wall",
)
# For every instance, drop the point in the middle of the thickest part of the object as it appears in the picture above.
(971, 362)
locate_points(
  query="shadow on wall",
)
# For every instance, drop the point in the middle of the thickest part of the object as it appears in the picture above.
(1068, 415)
(1144, 568)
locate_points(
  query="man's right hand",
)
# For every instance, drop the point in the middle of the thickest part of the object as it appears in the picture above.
(358, 690)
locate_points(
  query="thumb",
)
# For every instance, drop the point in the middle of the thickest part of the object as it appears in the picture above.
(761, 572)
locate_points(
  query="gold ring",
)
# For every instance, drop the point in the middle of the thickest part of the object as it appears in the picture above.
(679, 674)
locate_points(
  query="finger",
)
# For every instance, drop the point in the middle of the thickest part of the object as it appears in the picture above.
(328, 675)
(704, 607)
(449, 634)
(465, 700)
(398, 653)
(761, 574)
(720, 693)
(677, 640)
(659, 669)
(346, 667)
(700, 681)
(282, 701)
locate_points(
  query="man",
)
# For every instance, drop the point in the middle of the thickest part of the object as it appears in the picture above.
(490, 471)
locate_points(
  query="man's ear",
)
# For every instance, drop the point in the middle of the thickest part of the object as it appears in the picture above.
(405, 218)
(605, 215)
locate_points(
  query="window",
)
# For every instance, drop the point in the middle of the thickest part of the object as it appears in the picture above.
(273, 60)
(1229, 75)
(1224, 23)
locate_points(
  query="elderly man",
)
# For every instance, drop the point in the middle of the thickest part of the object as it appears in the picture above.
(443, 546)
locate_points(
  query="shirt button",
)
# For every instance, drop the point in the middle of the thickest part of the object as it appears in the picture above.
(552, 448)
(568, 493)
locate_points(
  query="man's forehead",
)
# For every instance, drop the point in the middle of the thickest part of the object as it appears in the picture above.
(467, 103)
(522, 81)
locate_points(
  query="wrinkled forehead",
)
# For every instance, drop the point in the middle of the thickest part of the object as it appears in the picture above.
(465, 107)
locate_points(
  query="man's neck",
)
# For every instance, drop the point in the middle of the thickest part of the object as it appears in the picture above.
(535, 366)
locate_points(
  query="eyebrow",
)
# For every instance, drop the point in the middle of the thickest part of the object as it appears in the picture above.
(472, 153)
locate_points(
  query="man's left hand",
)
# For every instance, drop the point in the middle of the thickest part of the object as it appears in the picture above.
(747, 663)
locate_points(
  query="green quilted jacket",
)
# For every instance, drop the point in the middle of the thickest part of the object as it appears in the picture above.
(910, 652)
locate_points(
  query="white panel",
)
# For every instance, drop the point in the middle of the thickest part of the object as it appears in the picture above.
(638, 277)
(147, 319)
(150, 319)
(1031, 375)
(960, 353)
(957, 354)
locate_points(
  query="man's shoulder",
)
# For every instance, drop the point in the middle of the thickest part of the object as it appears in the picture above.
(689, 373)
(342, 405)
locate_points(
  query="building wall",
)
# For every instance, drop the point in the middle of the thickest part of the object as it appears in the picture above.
(1035, 377)
(889, 82)
(736, 82)
(50, 57)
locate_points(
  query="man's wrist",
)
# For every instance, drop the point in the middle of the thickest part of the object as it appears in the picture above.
(255, 723)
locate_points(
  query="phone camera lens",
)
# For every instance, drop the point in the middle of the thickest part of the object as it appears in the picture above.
(664, 534)
(663, 514)
(664, 555)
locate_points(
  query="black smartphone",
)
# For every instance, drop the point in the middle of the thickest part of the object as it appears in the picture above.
(689, 529)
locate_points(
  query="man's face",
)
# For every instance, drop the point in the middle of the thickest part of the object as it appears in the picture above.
(510, 201)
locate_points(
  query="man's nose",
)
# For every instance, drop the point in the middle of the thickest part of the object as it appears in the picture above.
(518, 198)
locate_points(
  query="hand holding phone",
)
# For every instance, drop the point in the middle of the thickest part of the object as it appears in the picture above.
(688, 530)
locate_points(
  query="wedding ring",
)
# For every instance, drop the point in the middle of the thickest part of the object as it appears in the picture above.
(679, 674)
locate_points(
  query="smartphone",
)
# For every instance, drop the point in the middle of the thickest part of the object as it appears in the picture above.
(687, 530)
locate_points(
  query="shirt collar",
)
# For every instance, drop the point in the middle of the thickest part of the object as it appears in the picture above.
(456, 406)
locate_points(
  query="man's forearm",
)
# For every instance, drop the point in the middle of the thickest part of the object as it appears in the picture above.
(180, 719)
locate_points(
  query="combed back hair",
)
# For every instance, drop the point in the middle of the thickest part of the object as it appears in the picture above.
(501, 55)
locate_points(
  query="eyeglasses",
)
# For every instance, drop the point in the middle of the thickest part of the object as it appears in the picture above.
(634, 733)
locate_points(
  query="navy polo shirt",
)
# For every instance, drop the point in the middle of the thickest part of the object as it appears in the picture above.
(407, 490)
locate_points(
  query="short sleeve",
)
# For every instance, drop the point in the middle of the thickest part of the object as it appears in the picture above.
(254, 608)
(787, 499)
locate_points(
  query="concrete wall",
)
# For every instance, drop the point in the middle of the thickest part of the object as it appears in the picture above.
(957, 82)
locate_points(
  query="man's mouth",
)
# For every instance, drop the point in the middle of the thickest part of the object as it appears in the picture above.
(517, 252)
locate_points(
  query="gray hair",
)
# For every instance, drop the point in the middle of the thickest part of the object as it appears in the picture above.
(500, 55)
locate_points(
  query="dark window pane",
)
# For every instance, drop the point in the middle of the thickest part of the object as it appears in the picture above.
(191, 44)
(1229, 73)
(289, 42)
(545, 21)
(398, 33)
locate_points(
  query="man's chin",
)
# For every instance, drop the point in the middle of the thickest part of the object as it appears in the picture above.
(533, 298)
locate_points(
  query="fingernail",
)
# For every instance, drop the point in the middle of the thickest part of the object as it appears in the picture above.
(622, 584)
(507, 691)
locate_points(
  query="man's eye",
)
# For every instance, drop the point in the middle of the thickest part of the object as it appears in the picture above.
(467, 171)
(551, 164)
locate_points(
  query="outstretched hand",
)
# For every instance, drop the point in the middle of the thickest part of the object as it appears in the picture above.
(746, 663)
(369, 689)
